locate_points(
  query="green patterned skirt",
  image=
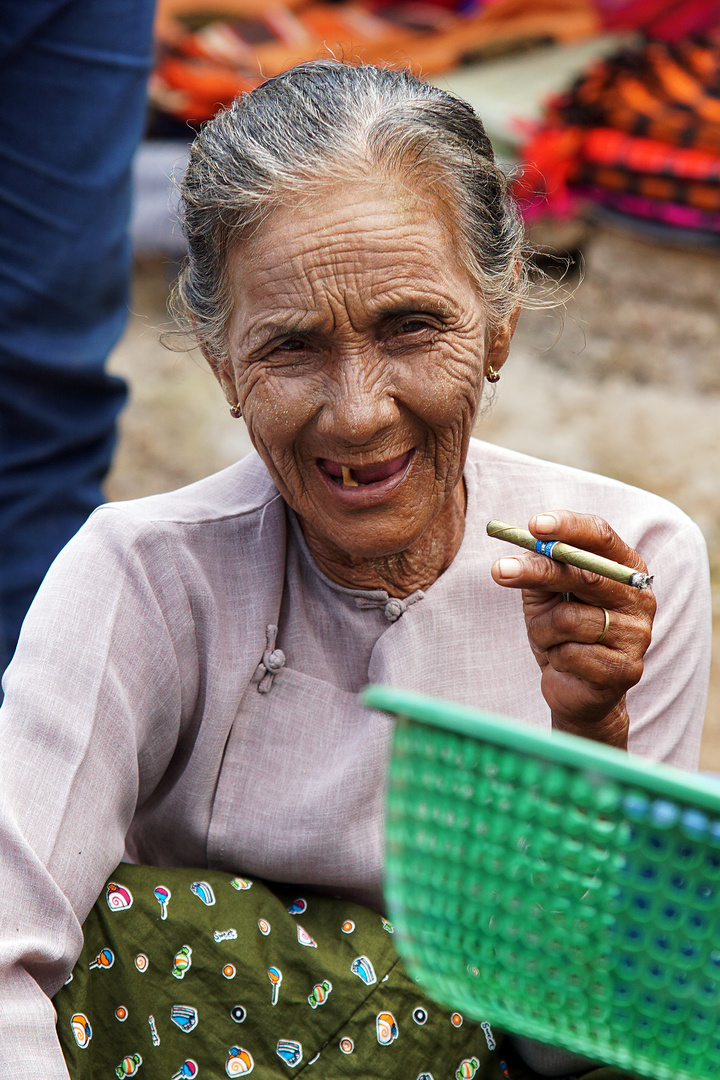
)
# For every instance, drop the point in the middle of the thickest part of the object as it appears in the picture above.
(189, 973)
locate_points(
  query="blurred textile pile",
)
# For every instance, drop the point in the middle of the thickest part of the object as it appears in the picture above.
(634, 131)
(208, 52)
(638, 133)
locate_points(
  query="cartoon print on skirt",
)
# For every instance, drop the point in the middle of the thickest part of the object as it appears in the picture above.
(342, 1007)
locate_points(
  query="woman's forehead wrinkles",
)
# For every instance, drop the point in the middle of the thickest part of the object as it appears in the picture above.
(345, 228)
(382, 254)
(306, 282)
(346, 262)
(323, 309)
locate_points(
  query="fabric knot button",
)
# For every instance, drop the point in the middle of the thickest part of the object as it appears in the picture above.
(391, 608)
(394, 608)
(275, 660)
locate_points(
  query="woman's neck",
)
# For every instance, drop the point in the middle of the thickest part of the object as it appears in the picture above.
(401, 573)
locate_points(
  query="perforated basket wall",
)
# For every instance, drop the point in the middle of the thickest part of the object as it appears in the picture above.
(555, 887)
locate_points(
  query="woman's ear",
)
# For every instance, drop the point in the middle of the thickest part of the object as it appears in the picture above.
(223, 372)
(499, 346)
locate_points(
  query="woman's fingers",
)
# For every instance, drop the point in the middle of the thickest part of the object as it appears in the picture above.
(586, 531)
(526, 570)
(607, 675)
(588, 625)
(565, 639)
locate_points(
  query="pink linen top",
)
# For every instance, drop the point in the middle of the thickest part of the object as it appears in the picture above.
(143, 707)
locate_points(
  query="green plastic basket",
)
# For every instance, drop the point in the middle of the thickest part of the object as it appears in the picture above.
(556, 887)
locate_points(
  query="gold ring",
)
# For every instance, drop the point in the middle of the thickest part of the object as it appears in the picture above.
(606, 613)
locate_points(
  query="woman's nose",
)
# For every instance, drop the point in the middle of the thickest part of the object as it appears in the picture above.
(359, 400)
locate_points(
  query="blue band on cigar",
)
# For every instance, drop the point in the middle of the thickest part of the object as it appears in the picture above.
(545, 547)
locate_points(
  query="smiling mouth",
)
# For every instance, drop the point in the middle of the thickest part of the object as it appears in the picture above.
(364, 475)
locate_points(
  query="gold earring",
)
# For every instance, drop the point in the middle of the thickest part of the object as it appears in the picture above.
(236, 411)
(492, 375)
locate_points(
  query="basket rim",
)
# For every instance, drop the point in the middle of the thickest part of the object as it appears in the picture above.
(558, 746)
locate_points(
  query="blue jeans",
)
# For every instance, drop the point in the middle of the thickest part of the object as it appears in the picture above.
(73, 79)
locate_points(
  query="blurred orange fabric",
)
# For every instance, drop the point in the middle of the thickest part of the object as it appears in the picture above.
(208, 52)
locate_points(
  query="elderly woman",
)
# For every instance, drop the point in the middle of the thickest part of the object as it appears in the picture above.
(185, 689)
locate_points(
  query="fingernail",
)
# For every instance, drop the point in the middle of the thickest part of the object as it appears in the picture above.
(546, 523)
(509, 568)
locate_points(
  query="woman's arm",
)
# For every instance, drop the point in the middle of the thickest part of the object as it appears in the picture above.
(90, 719)
(587, 683)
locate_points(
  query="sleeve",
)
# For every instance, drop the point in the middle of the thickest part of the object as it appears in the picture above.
(667, 707)
(94, 702)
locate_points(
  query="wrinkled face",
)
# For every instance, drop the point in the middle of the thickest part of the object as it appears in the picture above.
(358, 348)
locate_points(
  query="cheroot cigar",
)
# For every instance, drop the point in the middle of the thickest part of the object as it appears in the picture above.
(566, 553)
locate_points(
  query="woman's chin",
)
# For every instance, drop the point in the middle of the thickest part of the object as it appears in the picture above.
(369, 522)
(367, 542)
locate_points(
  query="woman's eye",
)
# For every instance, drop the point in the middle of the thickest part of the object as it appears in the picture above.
(291, 345)
(413, 326)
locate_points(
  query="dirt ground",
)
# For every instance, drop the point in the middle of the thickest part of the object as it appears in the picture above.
(626, 382)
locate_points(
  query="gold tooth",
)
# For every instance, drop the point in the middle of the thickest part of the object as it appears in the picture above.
(347, 477)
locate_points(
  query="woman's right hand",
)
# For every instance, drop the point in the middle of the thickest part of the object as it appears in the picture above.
(589, 649)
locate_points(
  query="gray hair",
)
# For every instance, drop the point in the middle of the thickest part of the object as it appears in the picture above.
(326, 121)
